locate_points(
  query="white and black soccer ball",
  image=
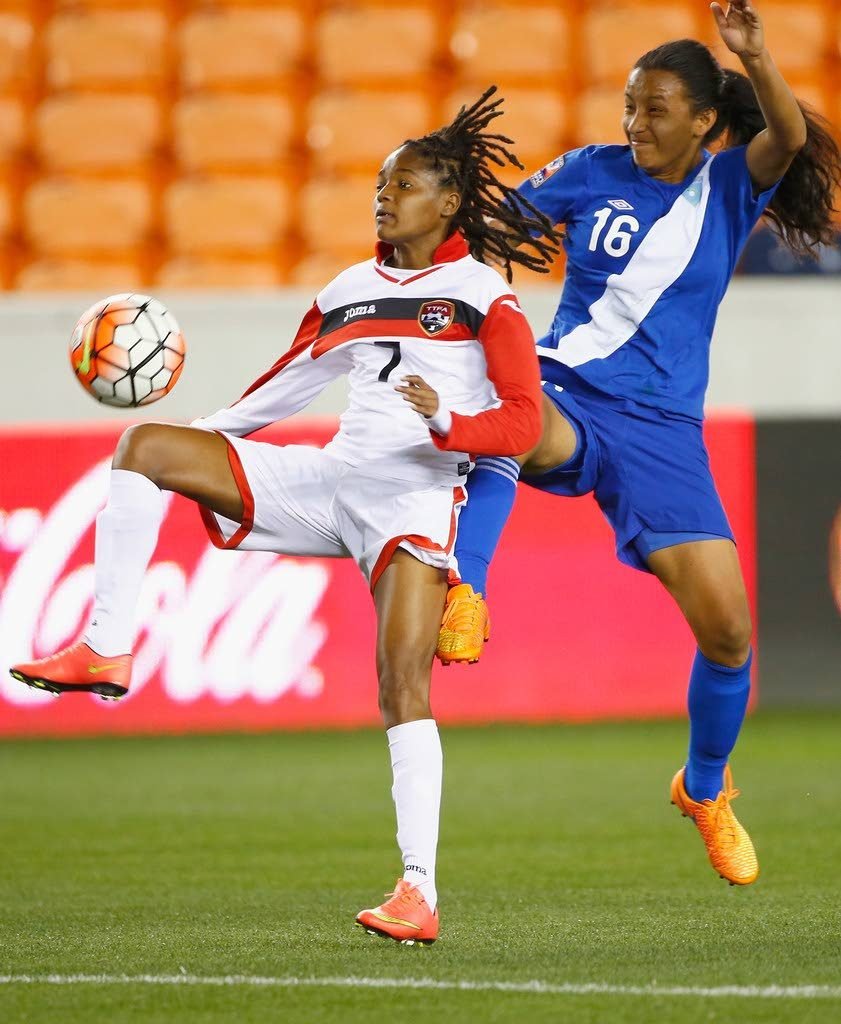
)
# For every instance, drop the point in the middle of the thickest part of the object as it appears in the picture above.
(127, 350)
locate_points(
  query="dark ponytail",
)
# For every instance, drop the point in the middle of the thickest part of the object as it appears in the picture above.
(802, 208)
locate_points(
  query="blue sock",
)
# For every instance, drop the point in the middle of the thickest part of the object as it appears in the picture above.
(718, 699)
(491, 489)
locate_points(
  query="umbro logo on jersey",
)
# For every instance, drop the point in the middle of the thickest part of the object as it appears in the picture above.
(359, 311)
(619, 204)
(436, 316)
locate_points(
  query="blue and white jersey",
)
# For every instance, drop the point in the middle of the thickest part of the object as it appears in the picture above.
(647, 266)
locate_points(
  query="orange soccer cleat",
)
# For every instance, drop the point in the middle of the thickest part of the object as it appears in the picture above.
(77, 669)
(405, 917)
(729, 847)
(466, 626)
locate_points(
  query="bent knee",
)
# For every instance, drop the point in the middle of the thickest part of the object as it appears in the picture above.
(404, 692)
(726, 638)
(140, 450)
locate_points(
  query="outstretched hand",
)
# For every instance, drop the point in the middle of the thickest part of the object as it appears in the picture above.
(740, 28)
(419, 395)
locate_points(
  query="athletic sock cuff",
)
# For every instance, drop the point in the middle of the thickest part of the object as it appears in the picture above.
(729, 670)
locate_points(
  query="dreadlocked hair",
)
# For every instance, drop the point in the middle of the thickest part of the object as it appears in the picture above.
(494, 218)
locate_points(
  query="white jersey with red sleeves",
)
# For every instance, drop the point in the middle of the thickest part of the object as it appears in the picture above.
(455, 324)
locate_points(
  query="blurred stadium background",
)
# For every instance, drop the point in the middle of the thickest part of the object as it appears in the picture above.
(221, 156)
(205, 144)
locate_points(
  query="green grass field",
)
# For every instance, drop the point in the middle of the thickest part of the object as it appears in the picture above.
(560, 862)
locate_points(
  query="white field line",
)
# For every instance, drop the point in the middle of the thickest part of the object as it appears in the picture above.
(524, 987)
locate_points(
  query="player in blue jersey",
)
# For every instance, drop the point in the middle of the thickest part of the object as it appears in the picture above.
(653, 232)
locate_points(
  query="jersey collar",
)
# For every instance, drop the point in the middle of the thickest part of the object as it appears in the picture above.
(449, 251)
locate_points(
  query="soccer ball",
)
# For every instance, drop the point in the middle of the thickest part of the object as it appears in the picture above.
(127, 350)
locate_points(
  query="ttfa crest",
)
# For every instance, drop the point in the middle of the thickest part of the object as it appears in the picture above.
(436, 316)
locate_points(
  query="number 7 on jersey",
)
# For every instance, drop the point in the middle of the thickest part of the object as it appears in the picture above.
(395, 358)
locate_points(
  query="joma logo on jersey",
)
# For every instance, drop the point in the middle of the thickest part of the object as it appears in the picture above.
(619, 204)
(436, 316)
(358, 311)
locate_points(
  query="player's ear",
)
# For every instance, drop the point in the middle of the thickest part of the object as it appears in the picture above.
(452, 202)
(705, 121)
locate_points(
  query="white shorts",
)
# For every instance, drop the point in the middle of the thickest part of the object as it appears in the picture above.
(299, 500)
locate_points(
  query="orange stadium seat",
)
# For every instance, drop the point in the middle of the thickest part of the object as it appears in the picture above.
(13, 128)
(240, 47)
(599, 117)
(81, 275)
(491, 42)
(359, 129)
(6, 211)
(97, 132)
(337, 214)
(226, 214)
(617, 33)
(16, 37)
(405, 38)
(219, 274)
(74, 5)
(106, 48)
(76, 215)
(227, 131)
(319, 268)
(536, 119)
(814, 93)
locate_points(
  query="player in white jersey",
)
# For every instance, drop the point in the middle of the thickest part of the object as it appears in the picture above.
(442, 366)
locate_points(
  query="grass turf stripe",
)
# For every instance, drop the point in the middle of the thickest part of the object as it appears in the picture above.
(524, 987)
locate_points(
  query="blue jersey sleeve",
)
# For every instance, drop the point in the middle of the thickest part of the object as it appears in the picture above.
(554, 188)
(729, 174)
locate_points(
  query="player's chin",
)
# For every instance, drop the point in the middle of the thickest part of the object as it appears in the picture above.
(387, 230)
(645, 156)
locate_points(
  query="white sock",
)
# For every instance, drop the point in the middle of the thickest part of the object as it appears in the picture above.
(126, 536)
(417, 766)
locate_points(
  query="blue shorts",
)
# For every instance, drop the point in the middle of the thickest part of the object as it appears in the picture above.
(648, 471)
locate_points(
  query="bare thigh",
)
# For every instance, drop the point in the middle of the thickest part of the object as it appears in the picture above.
(186, 460)
(409, 599)
(556, 445)
(705, 579)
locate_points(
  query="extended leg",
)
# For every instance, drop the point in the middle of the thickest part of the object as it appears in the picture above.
(150, 457)
(706, 581)
(491, 489)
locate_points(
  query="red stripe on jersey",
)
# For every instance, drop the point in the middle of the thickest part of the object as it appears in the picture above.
(371, 327)
(247, 523)
(405, 280)
(307, 334)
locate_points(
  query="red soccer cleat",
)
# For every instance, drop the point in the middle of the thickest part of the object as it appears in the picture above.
(405, 917)
(77, 669)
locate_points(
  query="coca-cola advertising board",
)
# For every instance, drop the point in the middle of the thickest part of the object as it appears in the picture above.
(247, 641)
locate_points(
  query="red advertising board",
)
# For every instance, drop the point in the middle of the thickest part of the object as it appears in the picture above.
(231, 640)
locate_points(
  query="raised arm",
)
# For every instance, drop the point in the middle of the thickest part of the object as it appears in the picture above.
(770, 153)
